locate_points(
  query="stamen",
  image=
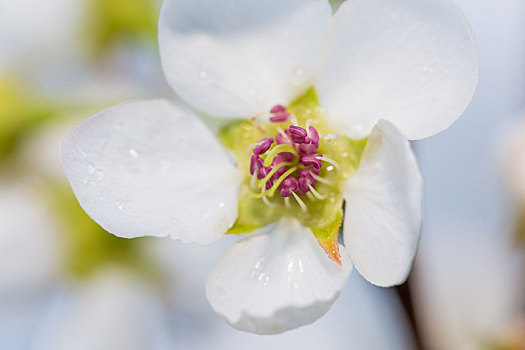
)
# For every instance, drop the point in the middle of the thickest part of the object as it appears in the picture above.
(271, 191)
(278, 149)
(313, 135)
(283, 138)
(280, 180)
(294, 120)
(272, 172)
(268, 203)
(316, 194)
(321, 179)
(288, 186)
(287, 202)
(263, 171)
(280, 118)
(301, 203)
(311, 161)
(297, 133)
(278, 109)
(331, 161)
(281, 131)
(305, 180)
(253, 181)
(256, 163)
(310, 196)
(263, 146)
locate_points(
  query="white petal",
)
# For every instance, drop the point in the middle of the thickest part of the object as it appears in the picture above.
(152, 168)
(383, 208)
(236, 58)
(276, 281)
(414, 63)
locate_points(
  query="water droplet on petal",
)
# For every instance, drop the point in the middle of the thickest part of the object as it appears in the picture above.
(133, 152)
(90, 168)
(221, 205)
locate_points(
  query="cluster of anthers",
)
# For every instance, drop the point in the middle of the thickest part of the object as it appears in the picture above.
(290, 162)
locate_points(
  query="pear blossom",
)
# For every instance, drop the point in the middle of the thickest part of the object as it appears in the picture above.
(316, 110)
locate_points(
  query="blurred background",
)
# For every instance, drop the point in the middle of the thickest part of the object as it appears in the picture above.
(67, 284)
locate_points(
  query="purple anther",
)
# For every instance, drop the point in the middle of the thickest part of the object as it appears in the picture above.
(305, 181)
(269, 184)
(279, 172)
(256, 163)
(314, 162)
(297, 133)
(278, 109)
(284, 140)
(263, 171)
(263, 146)
(280, 117)
(288, 186)
(313, 136)
(307, 149)
(286, 156)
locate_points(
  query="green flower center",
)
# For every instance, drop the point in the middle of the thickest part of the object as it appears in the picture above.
(295, 166)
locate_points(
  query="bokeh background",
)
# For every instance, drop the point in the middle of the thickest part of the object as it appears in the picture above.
(67, 284)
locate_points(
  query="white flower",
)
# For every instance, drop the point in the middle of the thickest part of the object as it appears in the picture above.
(386, 70)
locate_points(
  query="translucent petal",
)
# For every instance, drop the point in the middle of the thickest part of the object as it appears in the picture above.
(383, 208)
(236, 58)
(414, 63)
(277, 280)
(151, 168)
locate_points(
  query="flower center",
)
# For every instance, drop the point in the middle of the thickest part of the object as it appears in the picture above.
(294, 167)
(289, 163)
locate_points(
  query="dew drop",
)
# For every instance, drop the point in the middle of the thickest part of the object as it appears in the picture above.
(426, 69)
(133, 153)
(330, 168)
(221, 205)
(88, 182)
(120, 207)
(90, 168)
